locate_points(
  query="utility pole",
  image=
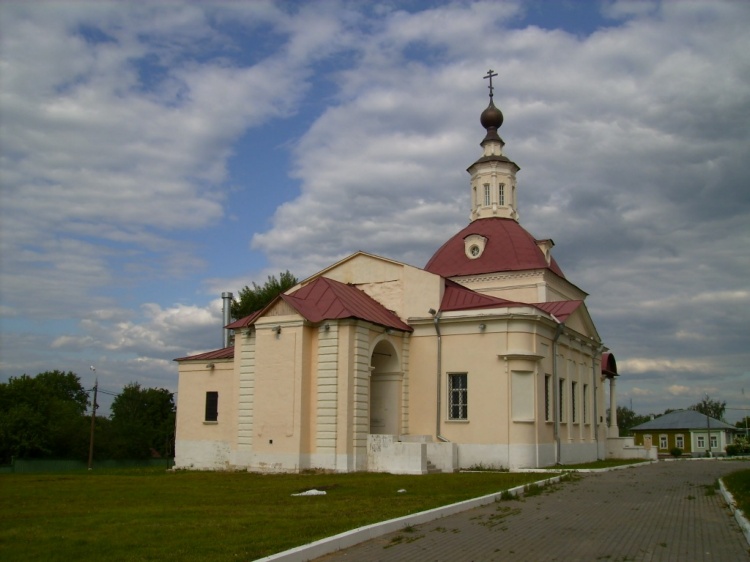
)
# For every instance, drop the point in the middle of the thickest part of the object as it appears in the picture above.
(93, 420)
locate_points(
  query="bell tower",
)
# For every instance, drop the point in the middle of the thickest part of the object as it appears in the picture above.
(493, 176)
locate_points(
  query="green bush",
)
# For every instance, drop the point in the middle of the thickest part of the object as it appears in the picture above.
(739, 447)
(675, 452)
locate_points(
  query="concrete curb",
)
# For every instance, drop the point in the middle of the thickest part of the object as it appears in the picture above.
(563, 469)
(738, 515)
(355, 536)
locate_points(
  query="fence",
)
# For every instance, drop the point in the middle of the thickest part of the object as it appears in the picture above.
(22, 466)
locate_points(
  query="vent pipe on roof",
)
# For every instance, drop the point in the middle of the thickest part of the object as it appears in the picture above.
(226, 315)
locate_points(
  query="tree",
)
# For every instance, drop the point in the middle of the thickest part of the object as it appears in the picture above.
(142, 422)
(43, 416)
(711, 408)
(627, 419)
(256, 297)
(744, 423)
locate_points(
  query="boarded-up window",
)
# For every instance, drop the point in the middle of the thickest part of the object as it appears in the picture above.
(522, 399)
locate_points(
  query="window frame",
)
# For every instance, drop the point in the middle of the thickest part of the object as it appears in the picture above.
(501, 194)
(679, 441)
(700, 441)
(585, 402)
(458, 397)
(487, 195)
(663, 441)
(561, 401)
(211, 414)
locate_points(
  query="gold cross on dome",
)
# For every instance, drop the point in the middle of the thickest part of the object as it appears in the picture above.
(490, 74)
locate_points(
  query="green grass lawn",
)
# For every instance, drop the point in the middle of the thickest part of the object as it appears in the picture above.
(738, 483)
(152, 514)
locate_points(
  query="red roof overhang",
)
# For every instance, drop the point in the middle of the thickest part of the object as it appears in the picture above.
(224, 353)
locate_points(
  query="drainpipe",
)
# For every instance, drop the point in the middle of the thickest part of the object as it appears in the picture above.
(436, 320)
(556, 388)
(227, 315)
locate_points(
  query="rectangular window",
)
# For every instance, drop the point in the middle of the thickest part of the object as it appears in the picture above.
(458, 407)
(561, 400)
(573, 412)
(547, 397)
(212, 406)
(679, 441)
(662, 441)
(486, 195)
(585, 403)
(501, 194)
(714, 442)
(701, 442)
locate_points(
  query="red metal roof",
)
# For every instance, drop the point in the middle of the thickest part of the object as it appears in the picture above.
(609, 365)
(509, 248)
(242, 322)
(224, 353)
(326, 299)
(458, 297)
(560, 309)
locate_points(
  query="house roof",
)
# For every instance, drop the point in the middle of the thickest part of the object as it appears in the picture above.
(508, 248)
(683, 419)
(224, 353)
(326, 299)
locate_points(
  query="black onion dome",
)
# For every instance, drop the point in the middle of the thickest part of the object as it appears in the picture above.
(492, 117)
(491, 120)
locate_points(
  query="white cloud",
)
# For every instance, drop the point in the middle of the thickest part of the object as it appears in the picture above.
(680, 390)
(119, 122)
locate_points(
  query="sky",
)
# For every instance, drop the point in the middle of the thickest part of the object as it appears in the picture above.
(154, 155)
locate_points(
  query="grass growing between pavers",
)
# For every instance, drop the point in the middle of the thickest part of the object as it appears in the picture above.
(738, 484)
(148, 514)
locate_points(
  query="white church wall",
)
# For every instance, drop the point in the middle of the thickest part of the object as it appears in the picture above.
(574, 453)
(204, 454)
(443, 455)
(386, 454)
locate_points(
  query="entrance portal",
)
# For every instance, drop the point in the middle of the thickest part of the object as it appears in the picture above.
(385, 390)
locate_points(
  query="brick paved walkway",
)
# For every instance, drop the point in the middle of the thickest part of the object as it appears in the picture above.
(667, 511)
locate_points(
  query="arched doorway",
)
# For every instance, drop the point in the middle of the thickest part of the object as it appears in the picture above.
(385, 390)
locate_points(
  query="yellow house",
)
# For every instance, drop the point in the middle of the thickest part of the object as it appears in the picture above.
(486, 357)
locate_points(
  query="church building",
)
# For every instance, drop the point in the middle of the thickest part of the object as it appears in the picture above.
(485, 357)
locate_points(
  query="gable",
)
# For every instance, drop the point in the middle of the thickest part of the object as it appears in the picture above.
(403, 289)
(574, 315)
(326, 299)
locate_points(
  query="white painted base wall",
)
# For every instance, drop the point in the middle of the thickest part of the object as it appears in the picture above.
(574, 453)
(202, 455)
(624, 448)
(443, 455)
(386, 454)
